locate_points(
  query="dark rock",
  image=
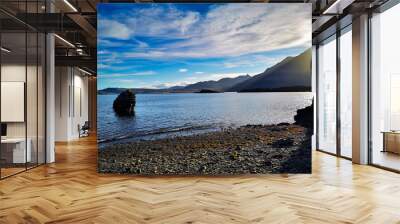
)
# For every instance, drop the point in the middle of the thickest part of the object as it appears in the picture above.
(277, 156)
(282, 143)
(273, 129)
(208, 91)
(124, 104)
(283, 124)
(305, 116)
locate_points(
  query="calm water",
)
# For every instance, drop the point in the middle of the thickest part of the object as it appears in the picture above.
(163, 115)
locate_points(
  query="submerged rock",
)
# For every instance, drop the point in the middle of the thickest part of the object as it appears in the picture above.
(124, 104)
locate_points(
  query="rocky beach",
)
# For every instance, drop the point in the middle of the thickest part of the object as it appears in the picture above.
(250, 149)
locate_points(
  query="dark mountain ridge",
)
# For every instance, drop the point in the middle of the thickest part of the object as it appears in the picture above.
(290, 72)
(221, 85)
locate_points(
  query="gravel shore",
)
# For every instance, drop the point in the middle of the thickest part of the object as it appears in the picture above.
(251, 149)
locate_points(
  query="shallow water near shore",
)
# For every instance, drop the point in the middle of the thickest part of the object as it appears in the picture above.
(168, 115)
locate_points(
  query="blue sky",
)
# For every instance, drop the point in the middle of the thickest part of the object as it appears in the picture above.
(163, 45)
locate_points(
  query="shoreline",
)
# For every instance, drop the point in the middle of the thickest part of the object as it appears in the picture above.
(250, 149)
(161, 93)
(159, 134)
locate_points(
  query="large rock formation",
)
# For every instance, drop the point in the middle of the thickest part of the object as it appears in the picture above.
(305, 116)
(124, 104)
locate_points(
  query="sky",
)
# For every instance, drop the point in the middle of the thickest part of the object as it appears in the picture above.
(164, 45)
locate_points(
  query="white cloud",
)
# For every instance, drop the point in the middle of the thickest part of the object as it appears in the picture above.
(160, 86)
(228, 30)
(252, 61)
(201, 78)
(133, 83)
(216, 77)
(161, 21)
(230, 64)
(236, 33)
(183, 70)
(116, 75)
(103, 52)
(101, 66)
(114, 29)
(142, 44)
(190, 80)
(123, 83)
(168, 85)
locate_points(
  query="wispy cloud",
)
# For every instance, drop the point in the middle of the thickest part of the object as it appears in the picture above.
(225, 31)
(216, 77)
(101, 66)
(114, 29)
(252, 60)
(158, 43)
(117, 75)
(168, 85)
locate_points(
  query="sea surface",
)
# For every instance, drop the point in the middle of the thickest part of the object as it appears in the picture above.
(167, 115)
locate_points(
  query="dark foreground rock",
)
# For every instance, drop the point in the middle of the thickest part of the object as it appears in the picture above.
(124, 104)
(305, 116)
(254, 149)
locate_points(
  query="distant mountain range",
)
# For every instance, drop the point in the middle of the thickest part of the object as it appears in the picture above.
(221, 85)
(293, 74)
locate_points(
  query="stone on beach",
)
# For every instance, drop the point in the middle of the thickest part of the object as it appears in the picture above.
(238, 152)
(281, 148)
(305, 116)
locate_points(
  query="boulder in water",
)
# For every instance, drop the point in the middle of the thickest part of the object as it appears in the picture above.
(124, 104)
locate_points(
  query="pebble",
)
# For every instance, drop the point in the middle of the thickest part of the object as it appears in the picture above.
(285, 148)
